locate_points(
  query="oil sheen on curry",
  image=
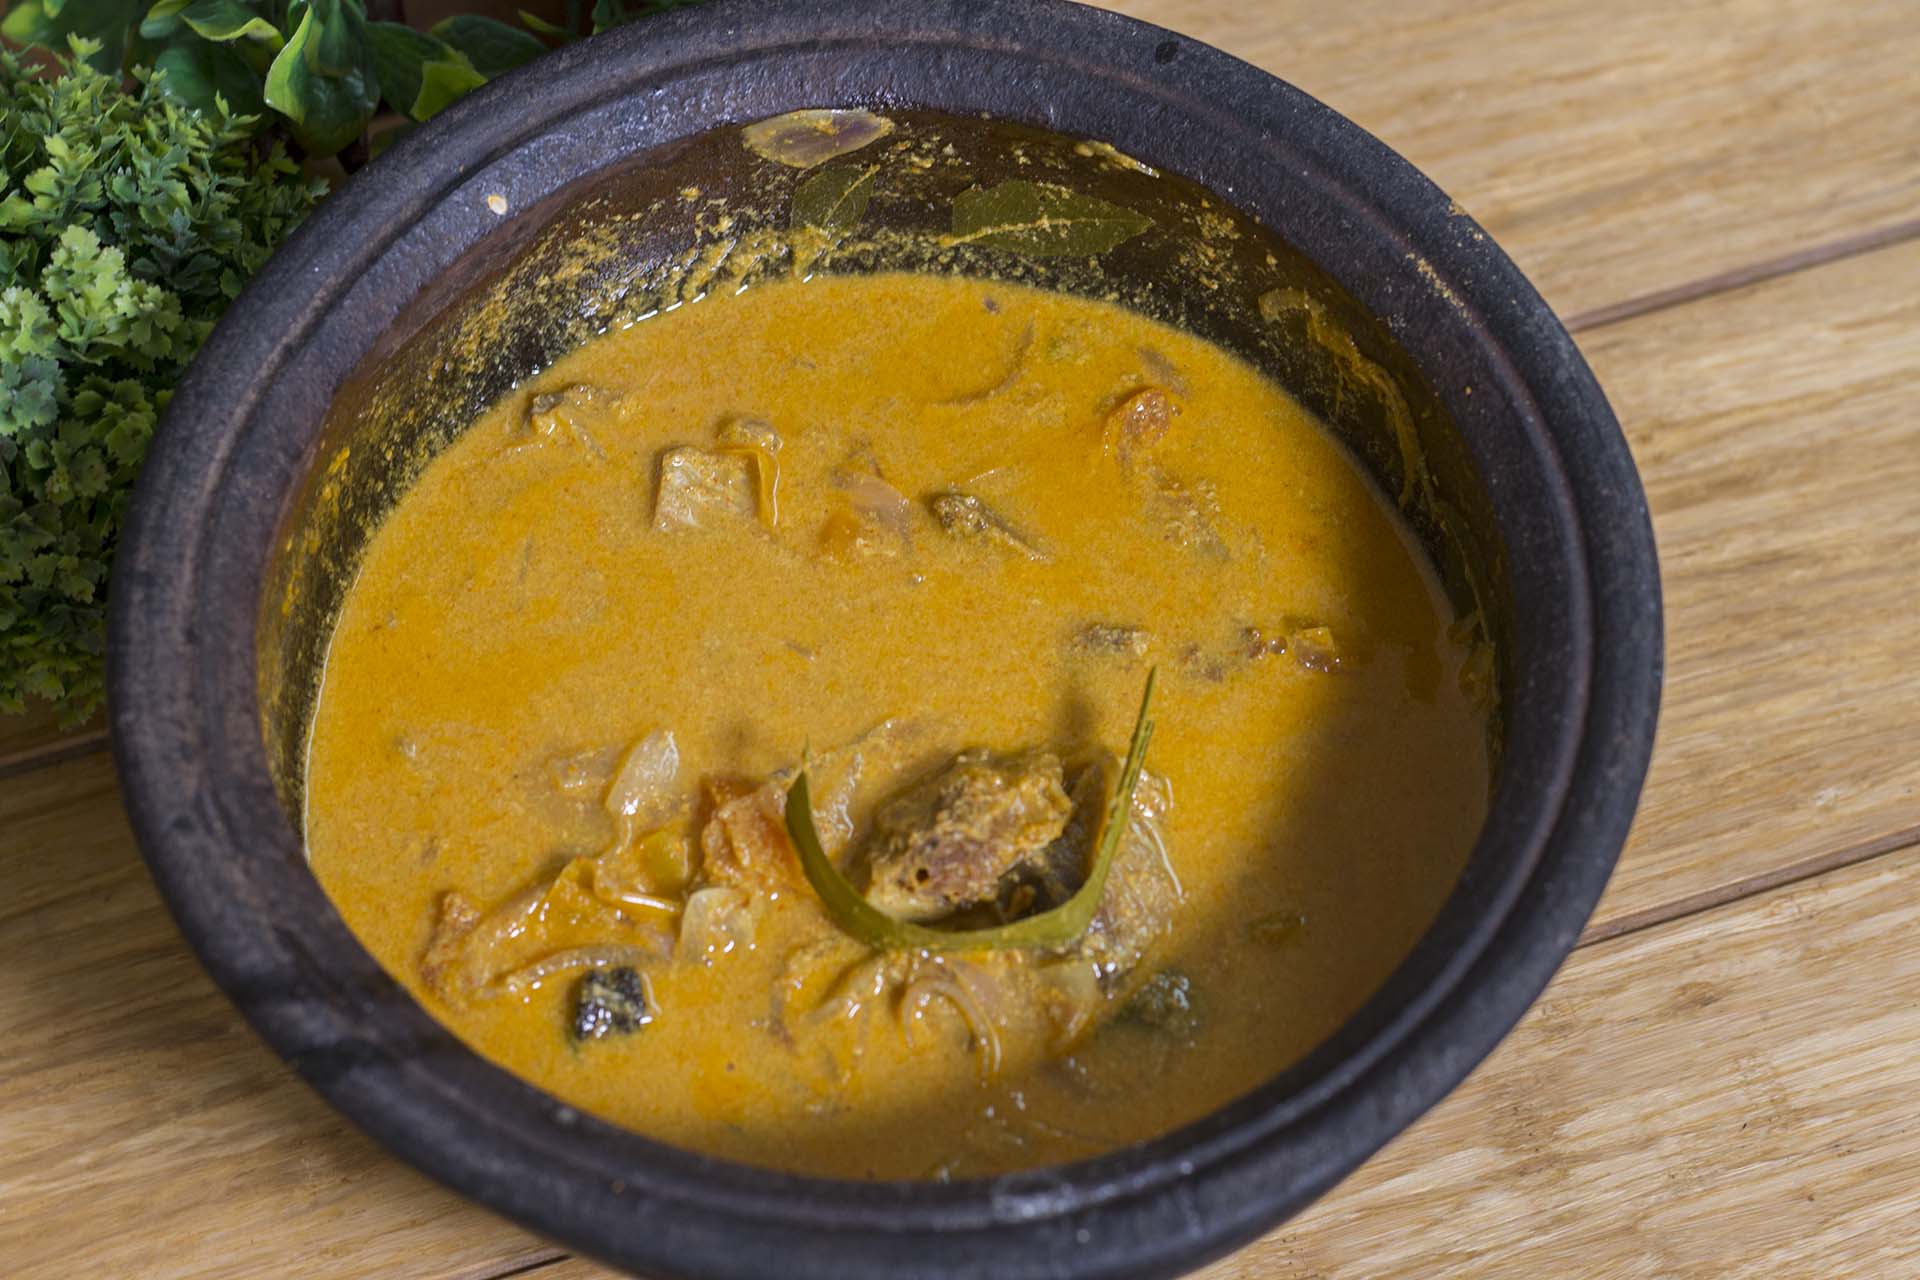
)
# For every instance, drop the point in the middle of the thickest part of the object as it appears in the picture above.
(924, 538)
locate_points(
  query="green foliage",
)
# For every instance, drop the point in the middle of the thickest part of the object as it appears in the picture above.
(323, 80)
(494, 48)
(127, 223)
(317, 69)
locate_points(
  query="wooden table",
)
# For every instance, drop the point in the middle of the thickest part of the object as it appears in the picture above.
(1724, 202)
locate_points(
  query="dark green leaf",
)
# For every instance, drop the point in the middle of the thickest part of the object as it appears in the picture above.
(339, 39)
(328, 110)
(494, 48)
(834, 199)
(418, 74)
(398, 54)
(49, 24)
(163, 19)
(1058, 927)
(615, 13)
(194, 71)
(1042, 220)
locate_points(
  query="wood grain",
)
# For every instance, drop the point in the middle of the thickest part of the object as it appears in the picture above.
(1616, 150)
(1774, 427)
(1727, 1095)
(36, 737)
(146, 1131)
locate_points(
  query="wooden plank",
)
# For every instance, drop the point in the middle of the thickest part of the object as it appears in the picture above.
(35, 736)
(1617, 150)
(1775, 431)
(1719, 1096)
(146, 1131)
(1774, 428)
(1730, 1094)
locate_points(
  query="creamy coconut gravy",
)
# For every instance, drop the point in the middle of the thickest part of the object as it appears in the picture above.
(935, 531)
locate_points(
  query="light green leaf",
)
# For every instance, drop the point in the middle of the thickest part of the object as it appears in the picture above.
(834, 199)
(442, 82)
(418, 74)
(193, 72)
(1042, 220)
(329, 109)
(494, 48)
(537, 23)
(224, 20)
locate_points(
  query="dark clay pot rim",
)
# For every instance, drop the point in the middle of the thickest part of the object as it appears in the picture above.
(234, 444)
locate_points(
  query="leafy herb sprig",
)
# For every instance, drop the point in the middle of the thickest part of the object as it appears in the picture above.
(1058, 927)
(127, 223)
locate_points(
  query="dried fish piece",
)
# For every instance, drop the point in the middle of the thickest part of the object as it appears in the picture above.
(962, 515)
(1108, 640)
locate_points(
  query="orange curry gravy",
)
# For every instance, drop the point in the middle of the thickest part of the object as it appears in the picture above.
(889, 519)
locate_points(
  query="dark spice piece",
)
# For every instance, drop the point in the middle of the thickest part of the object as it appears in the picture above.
(1165, 1003)
(609, 1002)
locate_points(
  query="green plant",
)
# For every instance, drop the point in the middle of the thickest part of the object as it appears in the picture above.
(128, 221)
(320, 69)
(317, 68)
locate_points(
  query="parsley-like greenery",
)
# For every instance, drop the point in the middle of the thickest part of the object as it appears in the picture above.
(128, 221)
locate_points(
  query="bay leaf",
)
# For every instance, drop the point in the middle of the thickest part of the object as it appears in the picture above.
(835, 199)
(1042, 220)
(803, 139)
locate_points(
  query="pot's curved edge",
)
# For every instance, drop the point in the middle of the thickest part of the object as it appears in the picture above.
(1620, 544)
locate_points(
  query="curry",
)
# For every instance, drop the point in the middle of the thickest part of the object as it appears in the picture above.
(920, 541)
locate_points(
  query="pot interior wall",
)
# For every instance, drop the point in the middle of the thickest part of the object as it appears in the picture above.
(710, 214)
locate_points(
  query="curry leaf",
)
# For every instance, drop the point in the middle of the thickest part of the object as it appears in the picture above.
(494, 48)
(835, 199)
(193, 72)
(1042, 220)
(1056, 928)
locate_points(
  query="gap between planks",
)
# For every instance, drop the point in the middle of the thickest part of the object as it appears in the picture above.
(1818, 255)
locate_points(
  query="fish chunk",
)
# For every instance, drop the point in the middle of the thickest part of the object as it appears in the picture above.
(700, 488)
(948, 842)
